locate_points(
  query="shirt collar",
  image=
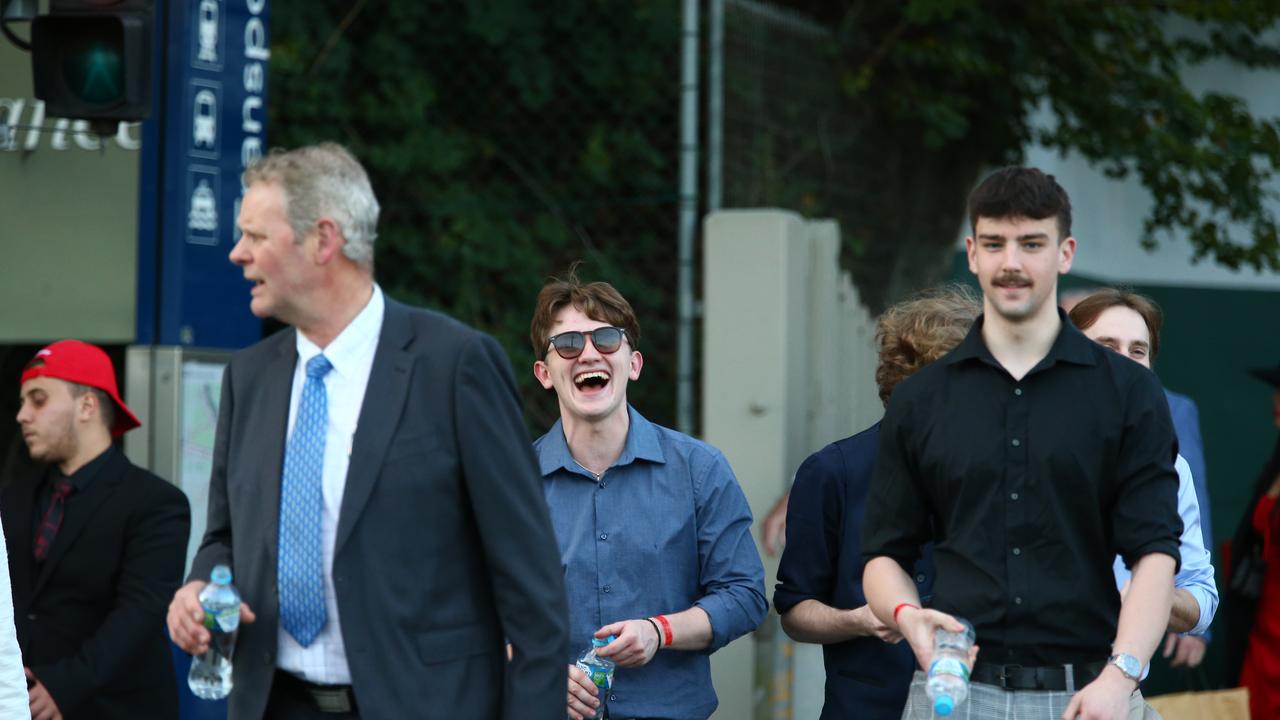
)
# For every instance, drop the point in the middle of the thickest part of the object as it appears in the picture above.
(1069, 346)
(642, 444)
(80, 478)
(355, 339)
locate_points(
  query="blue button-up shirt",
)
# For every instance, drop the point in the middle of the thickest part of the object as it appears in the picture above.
(664, 529)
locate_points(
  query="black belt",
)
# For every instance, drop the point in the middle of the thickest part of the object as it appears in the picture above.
(324, 698)
(1052, 677)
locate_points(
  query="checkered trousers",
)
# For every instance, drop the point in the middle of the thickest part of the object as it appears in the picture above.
(988, 702)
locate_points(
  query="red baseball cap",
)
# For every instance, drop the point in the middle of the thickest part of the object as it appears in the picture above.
(84, 364)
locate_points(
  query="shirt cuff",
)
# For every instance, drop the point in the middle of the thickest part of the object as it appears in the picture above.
(784, 599)
(1166, 547)
(1206, 611)
(723, 610)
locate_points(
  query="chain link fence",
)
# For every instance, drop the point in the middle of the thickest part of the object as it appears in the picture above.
(782, 118)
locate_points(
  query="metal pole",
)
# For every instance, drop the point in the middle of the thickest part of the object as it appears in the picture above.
(715, 106)
(688, 214)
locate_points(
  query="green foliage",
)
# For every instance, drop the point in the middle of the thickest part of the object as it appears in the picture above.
(505, 139)
(979, 81)
(508, 138)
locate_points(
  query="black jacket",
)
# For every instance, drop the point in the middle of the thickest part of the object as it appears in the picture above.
(90, 619)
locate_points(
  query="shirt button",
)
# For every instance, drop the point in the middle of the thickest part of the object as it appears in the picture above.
(1017, 391)
(1013, 496)
(1017, 600)
(606, 588)
(604, 536)
(613, 697)
(1017, 551)
(604, 484)
(1016, 442)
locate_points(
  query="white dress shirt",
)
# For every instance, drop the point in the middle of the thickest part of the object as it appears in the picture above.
(14, 704)
(351, 354)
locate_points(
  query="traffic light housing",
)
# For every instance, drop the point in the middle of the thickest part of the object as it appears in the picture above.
(91, 59)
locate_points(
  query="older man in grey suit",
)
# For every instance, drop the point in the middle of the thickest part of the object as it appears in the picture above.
(373, 486)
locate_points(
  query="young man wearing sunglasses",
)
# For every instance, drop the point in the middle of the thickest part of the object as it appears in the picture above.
(654, 530)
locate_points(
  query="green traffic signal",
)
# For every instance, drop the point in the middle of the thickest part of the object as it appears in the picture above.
(92, 63)
(96, 75)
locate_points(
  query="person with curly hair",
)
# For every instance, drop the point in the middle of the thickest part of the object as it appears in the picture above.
(819, 590)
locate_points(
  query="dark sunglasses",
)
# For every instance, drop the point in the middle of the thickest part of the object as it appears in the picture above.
(570, 345)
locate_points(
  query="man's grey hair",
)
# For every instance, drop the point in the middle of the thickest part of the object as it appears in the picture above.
(319, 181)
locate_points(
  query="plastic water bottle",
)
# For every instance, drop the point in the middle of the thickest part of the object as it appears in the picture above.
(600, 671)
(210, 676)
(949, 672)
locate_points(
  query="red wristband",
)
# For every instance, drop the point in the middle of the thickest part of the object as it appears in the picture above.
(666, 629)
(898, 609)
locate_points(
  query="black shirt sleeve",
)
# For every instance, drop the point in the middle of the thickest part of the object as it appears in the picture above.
(897, 517)
(1145, 516)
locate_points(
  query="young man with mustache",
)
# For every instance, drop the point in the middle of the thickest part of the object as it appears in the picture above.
(1030, 456)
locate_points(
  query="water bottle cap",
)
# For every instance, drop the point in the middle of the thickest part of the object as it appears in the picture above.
(601, 642)
(943, 705)
(221, 575)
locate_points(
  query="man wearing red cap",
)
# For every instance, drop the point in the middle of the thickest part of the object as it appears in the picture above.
(96, 548)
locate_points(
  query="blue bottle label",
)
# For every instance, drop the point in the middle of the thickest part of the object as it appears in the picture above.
(602, 678)
(949, 666)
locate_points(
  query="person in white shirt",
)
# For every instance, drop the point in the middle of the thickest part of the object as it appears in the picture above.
(13, 686)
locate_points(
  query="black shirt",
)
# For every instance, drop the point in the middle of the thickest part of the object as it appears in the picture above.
(80, 480)
(1029, 489)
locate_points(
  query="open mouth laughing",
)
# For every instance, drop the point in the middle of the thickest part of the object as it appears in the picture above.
(591, 381)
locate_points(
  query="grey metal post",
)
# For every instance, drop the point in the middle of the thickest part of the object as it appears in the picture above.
(688, 214)
(715, 105)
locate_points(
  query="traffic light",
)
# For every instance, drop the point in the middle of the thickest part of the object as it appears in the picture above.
(91, 59)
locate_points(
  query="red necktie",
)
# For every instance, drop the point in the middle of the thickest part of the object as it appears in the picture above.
(52, 519)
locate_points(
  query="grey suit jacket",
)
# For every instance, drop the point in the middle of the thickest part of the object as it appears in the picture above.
(444, 546)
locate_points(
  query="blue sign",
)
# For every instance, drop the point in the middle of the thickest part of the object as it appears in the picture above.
(208, 124)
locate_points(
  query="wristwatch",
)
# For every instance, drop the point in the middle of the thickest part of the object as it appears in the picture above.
(1128, 664)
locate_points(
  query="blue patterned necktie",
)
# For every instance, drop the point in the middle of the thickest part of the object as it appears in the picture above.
(300, 566)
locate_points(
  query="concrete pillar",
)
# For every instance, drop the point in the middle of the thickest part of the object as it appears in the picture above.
(754, 382)
(788, 366)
